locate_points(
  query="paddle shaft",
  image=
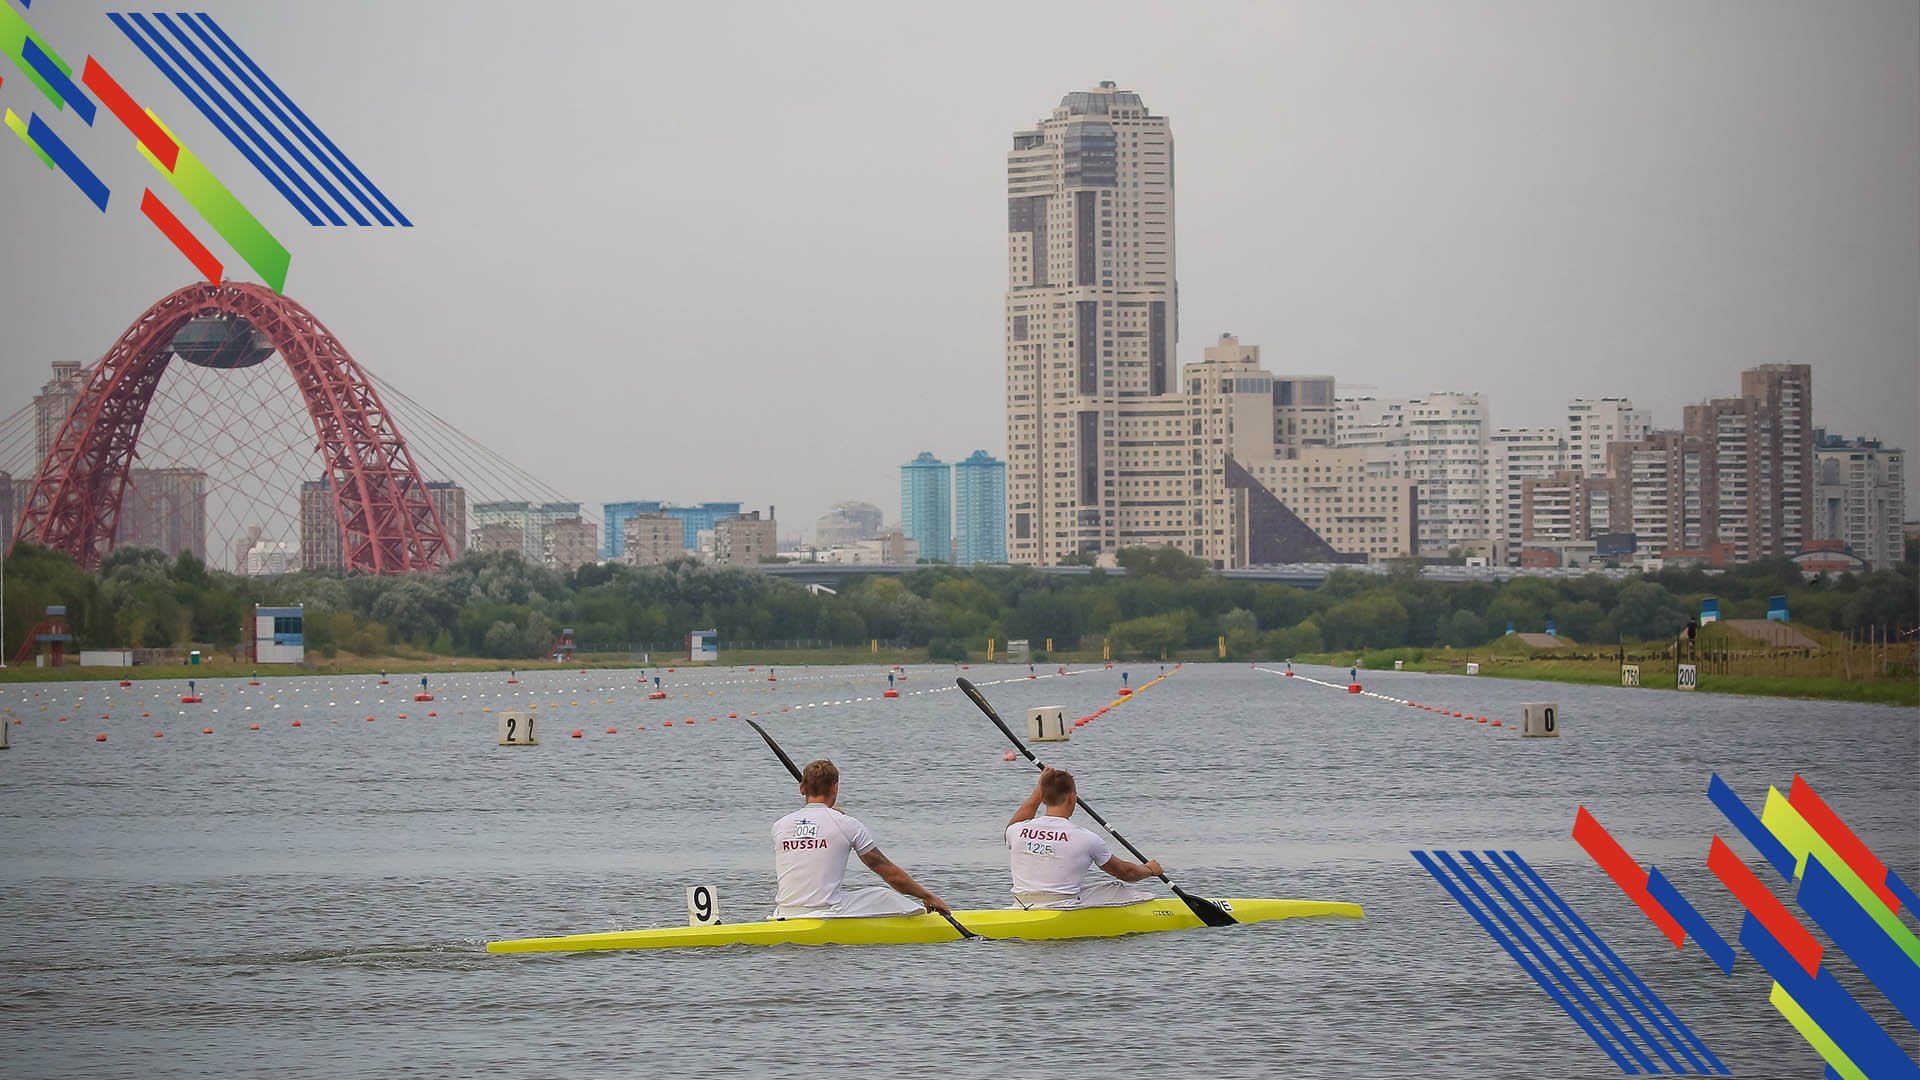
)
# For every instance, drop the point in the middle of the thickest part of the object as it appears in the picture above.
(795, 770)
(1208, 911)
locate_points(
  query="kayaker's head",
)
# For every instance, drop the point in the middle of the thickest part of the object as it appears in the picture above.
(820, 782)
(1058, 793)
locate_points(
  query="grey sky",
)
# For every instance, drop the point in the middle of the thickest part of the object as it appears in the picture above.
(709, 251)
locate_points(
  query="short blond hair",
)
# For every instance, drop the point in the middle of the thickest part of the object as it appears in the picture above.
(818, 778)
(1055, 786)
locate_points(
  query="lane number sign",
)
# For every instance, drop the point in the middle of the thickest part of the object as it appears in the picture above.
(703, 906)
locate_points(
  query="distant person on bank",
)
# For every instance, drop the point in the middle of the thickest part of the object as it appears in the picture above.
(1051, 855)
(810, 848)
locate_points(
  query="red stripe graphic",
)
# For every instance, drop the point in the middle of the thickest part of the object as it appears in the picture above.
(189, 245)
(121, 104)
(1841, 839)
(1625, 873)
(1773, 915)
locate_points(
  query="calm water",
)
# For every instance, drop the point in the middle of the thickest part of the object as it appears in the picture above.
(314, 901)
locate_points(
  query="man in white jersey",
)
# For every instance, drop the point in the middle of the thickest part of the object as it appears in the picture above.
(810, 848)
(1051, 855)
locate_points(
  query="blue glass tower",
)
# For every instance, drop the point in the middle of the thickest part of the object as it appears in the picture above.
(926, 506)
(980, 509)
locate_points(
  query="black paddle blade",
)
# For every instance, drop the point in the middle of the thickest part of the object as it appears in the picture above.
(1205, 910)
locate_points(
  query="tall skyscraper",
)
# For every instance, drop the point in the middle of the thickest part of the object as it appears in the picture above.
(926, 506)
(320, 527)
(980, 509)
(52, 405)
(1091, 314)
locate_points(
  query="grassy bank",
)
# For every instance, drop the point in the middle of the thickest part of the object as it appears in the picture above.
(1659, 675)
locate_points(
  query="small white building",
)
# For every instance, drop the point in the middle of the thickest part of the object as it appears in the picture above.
(279, 635)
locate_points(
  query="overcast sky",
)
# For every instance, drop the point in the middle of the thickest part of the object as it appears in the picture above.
(756, 252)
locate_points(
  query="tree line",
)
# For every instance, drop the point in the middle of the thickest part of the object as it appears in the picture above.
(499, 605)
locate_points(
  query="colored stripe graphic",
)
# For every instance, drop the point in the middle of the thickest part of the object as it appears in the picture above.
(1838, 1064)
(121, 104)
(1762, 905)
(180, 82)
(226, 105)
(344, 160)
(226, 67)
(1841, 839)
(14, 34)
(1858, 936)
(1800, 837)
(19, 127)
(41, 62)
(83, 178)
(1513, 950)
(234, 222)
(1528, 875)
(1829, 1007)
(1905, 893)
(1748, 822)
(1567, 958)
(189, 244)
(1626, 873)
(1689, 917)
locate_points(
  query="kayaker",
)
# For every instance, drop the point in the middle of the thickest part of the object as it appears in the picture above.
(810, 849)
(1051, 855)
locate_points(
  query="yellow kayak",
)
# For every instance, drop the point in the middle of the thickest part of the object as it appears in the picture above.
(1146, 917)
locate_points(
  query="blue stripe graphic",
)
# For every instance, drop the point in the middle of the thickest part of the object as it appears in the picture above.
(311, 126)
(1513, 950)
(1607, 950)
(1691, 920)
(76, 170)
(1829, 1005)
(1908, 902)
(1586, 950)
(245, 102)
(1862, 939)
(1748, 822)
(43, 65)
(207, 110)
(280, 126)
(1567, 958)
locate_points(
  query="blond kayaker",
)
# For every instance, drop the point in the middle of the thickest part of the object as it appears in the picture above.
(810, 849)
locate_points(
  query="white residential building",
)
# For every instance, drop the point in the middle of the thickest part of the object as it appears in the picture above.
(1514, 455)
(1439, 442)
(1592, 424)
(1859, 498)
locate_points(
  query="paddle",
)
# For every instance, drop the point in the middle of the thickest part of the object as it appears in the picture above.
(1205, 910)
(795, 770)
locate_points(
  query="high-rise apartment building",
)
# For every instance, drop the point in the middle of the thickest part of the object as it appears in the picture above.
(1595, 424)
(1440, 443)
(450, 503)
(1859, 498)
(1514, 455)
(1091, 315)
(980, 509)
(694, 520)
(53, 404)
(746, 539)
(165, 509)
(320, 527)
(530, 520)
(926, 505)
(567, 544)
(651, 539)
(1784, 395)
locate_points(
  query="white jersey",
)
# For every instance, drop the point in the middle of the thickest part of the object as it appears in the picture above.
(810, 848)
(1052, 855)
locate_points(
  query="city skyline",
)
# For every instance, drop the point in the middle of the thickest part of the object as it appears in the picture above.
(1571, 219)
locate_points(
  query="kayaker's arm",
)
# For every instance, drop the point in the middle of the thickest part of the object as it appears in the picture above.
(1029, 808)
(901, 881)
(1132, 871)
